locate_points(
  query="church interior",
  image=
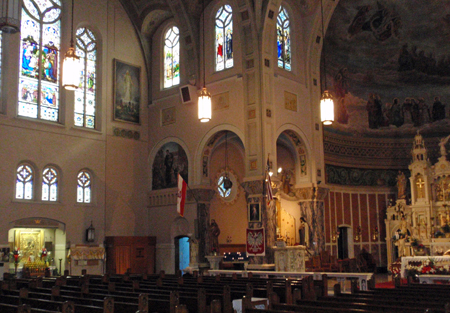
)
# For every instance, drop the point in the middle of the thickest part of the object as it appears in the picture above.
(91, 162)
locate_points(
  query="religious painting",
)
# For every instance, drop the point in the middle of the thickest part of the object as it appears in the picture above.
(127, 92)
(168, 116)
(254, 212)
(388, 75)
(255, 242)
(30, 243)
(290, 101)
(220, 101)
(169, 161)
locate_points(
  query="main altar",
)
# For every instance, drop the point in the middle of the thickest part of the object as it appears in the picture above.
(420, 226)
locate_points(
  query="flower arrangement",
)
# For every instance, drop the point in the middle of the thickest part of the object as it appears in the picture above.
(395, 269)
(16, 254)
(428, 267)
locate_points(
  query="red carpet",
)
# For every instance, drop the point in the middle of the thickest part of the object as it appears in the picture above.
(389, 284)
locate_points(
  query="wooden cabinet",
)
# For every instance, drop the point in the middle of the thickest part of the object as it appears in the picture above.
(130, 252)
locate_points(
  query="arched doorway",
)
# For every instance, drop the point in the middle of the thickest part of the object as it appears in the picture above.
(182, 255)
(41, 242)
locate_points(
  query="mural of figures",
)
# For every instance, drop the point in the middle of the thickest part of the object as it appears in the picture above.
(170, 160)
(389, 75)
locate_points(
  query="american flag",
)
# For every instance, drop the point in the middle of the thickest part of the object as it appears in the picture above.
(268, 184)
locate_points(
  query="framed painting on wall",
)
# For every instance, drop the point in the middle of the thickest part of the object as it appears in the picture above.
(254, 212)
(127, 92)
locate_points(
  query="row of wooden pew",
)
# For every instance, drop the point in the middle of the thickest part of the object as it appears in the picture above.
(414, 298)
(145, 293)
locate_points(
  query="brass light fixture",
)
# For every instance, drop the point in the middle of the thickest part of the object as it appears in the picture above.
(71, 65)
(204, 100)
(375, 234)
(326, 102)
(227, 183)
(90, 233)
(358, 233)
(335, 235)
(10, 13)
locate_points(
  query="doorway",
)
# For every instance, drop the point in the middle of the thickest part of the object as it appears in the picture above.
(182, 256)
(343, 243)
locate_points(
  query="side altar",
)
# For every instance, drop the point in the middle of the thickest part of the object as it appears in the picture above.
(419, 226)
(290, 258)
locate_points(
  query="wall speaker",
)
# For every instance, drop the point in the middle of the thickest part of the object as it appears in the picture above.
(188, 93)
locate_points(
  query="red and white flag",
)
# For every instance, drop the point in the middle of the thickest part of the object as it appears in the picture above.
(181, 194)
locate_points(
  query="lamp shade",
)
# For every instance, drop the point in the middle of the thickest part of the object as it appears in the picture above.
(327, 108)
(71, 70)
(10, 12)
(204, 106)
(90, 234)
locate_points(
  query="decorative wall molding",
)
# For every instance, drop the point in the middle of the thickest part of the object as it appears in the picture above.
(126, 133)
(360, 177)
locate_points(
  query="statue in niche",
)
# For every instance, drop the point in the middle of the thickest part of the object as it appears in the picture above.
(214, 232)
(401, 185)
(304, 232)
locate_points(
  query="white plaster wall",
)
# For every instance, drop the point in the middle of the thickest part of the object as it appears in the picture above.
(118, 164)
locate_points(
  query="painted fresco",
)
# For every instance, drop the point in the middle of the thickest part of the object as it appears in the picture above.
(388, 65)
(170, 160)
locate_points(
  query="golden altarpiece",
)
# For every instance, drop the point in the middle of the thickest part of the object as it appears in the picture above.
(425, 220)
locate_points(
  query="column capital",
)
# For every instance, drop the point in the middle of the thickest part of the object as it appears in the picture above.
(201, 194)
(311, 193)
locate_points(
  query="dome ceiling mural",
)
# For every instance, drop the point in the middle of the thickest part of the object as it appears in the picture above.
(388, 65)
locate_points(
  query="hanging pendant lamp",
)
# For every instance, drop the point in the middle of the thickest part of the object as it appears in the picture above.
(10, 13)
(204, 100)
(71, 65)
(326, 102)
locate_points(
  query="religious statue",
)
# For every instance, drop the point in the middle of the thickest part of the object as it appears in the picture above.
(442, 146)
(401, 185)
(214, 232)
(401, 245)
(193, 250)
(304, 232)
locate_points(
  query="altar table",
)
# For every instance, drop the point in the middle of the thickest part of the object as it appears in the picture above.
(438, 260)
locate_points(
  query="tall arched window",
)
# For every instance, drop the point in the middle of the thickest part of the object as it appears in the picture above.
(171, 57)
(85, 105)
(283, 39)
(84, 181)
(24, 182)
(39, 59)
(224, 38)
(49, 184)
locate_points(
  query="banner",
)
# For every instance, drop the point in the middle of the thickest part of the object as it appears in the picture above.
(181, 194)
(256, 244)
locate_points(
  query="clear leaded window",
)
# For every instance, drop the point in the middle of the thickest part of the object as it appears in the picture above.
(283, 39)
(49, 184)
(86, 49)
(84, 187)
(24, 182)
(39, 59)
(171, 57)
(224, 38)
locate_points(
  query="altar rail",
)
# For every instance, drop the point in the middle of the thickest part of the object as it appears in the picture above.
(363, 278)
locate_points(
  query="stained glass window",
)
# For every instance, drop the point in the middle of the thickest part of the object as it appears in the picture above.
(85, 105)
(171, 57)
(49, 184)
(24, 182)
(84, 187)
(223, 192)
(39, 59)
(224, 38)
(283, 39)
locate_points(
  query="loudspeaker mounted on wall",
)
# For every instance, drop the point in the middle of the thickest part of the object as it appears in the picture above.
(188, 93)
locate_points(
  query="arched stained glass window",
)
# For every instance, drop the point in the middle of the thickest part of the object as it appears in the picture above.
(224, 38)
(283, 39)
(39, 59)
(24, 182)
(171, 57)
(84, 187)
(49, 184)
(85, 104)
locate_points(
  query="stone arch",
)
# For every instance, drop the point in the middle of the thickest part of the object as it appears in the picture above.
(295, 141)
(180, 227)
(212, 138)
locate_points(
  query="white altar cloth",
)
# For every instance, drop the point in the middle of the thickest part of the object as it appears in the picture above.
(439, 260)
